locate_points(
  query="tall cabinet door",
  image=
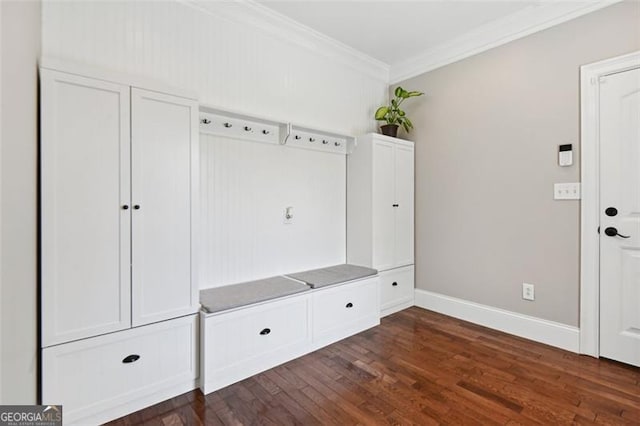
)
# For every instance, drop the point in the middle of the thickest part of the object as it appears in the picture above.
(382, 205)
(85, 197)
(404, 174)
(164, 152)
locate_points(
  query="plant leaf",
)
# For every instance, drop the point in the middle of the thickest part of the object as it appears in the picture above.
(381, 112)
(404, 94)
(398, 91)
(408, 122)
(412, 94)
(401, 113)
(405, 126)
(394, 103)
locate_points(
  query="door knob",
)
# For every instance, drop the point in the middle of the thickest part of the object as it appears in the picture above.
(611, 211)
(613, 232)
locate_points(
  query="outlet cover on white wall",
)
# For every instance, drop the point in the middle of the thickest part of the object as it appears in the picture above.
(528, 292)
(566, 191)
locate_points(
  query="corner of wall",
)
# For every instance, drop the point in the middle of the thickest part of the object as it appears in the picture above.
(20, 38)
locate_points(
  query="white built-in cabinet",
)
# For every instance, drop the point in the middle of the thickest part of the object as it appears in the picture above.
(118, 175)
(164, 154)
(242, 342)
(380, 215)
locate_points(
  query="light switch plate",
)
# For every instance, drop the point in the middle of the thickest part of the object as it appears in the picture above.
(566, 191)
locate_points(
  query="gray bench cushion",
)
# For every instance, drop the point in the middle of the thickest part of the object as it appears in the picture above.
(236, 295)
(332, 275)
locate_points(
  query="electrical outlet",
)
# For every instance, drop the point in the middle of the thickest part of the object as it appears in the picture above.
(528, 292)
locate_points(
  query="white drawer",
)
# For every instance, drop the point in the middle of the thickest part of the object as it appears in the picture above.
(95, 384)
(344, 310)
(396, 290)
(241, 343)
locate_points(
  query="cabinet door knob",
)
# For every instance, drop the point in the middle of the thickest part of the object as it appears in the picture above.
(125, 207)
(394, 284)
(136, 207)
(396, 205)
(265, 332)
(349, 305)
(131, 358)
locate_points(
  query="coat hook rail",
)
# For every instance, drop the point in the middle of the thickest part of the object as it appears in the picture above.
(216, 121)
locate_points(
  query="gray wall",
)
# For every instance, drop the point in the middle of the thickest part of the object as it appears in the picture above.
(20, 38)
(487, 134)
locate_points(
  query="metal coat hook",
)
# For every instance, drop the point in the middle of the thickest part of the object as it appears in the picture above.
(247, 128)
(265, 132)
(312, 139)
(228, 125)
(297, 137)
(205, 121)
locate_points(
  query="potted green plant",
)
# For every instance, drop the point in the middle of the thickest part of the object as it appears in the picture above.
(393, 115)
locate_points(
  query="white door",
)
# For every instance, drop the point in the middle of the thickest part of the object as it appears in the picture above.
(383, 200)
(404, 205)
(164, 132)
(84, 207)
(620, 228)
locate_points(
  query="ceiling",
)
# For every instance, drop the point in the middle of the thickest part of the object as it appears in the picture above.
(394, 30)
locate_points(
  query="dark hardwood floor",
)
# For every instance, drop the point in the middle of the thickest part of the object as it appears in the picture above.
(419, 367)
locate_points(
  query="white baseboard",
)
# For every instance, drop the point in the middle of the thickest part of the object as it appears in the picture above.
(548, 332)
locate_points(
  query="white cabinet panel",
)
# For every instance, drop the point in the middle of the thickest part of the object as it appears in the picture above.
(380, 211)
(164, 145)
(344, 310)
(247, 341)
(94, 384)
(382, 205)
(85, 230)
(396, 290)
(404, 184)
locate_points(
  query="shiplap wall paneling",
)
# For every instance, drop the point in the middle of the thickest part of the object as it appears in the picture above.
(217, 51)
(245, 189)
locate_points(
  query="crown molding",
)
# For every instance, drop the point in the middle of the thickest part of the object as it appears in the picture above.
(255, 15)
(532, 19)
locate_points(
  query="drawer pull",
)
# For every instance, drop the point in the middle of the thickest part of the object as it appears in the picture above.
(394, 284)
(130, 359)
(349, 305)
(265, 332)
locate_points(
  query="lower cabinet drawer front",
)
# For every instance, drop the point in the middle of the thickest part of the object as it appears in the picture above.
(344, 310)
(101, 378)
(246, 341)
(396, 287)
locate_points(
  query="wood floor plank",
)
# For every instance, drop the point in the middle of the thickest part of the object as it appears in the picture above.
(419, 368)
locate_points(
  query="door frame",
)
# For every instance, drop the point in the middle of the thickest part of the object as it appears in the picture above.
(590, 76)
